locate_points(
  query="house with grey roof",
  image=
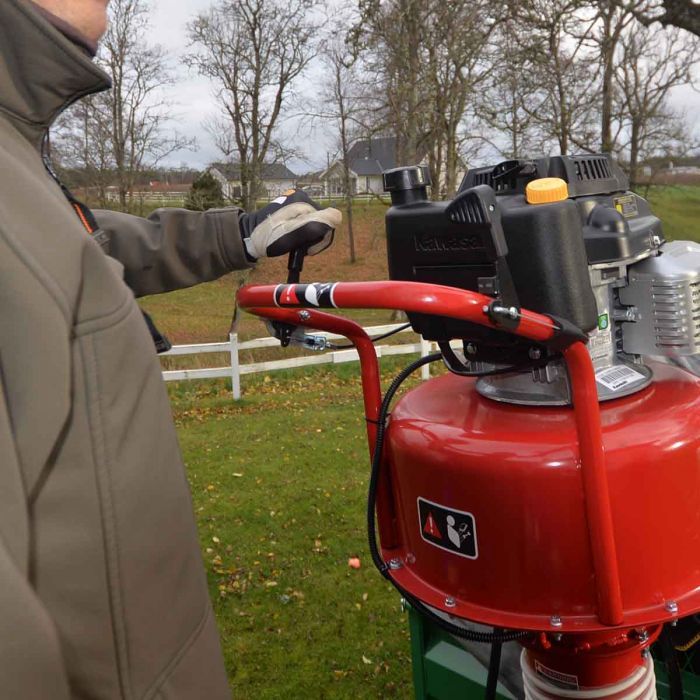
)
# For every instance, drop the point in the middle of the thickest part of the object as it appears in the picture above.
(368, 159)
(277, 178)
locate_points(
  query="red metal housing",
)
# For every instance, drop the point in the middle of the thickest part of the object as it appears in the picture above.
(517, 470)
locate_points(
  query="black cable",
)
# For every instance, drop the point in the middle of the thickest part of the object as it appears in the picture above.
(374, 339)
(494, 670)
(673, 669)
(382, 567)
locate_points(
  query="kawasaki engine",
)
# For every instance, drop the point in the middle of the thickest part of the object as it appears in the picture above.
(563, 236)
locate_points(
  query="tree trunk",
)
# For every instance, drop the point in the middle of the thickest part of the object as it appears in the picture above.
(634, 154)
(351, 232)
(607, 50)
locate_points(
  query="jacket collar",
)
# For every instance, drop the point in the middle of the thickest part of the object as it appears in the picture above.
(41, 71)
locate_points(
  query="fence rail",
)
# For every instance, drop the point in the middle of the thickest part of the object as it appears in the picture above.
(236, 370)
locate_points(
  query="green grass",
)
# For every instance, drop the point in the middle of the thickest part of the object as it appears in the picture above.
(678, 207)
(279, 483)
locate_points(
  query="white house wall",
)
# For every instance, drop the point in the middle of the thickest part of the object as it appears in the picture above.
(277, 187)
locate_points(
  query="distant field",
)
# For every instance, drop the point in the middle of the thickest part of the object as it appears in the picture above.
(679, 209)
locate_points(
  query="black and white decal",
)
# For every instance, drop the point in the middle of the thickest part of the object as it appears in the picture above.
(318, 295)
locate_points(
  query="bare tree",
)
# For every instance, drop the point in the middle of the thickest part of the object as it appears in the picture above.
(684, 14)
(565, 107)
(344, 101)
(119, 135)
(458, 59)
(652, 63)
(389, 35)
(503, 104)
(610, 21)
(253, 51)
(430, 58)
(138, 110)
(81, 143)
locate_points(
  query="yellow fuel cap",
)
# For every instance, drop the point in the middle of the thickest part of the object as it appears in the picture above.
(546, 190)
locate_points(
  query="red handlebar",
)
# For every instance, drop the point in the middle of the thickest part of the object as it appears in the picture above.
(416, 297)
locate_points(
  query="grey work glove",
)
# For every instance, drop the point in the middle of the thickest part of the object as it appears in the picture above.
(290, 222)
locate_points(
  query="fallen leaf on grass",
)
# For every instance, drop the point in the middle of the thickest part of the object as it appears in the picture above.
(365, 660)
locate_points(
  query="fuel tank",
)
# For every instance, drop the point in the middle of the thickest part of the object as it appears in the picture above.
(489, 513)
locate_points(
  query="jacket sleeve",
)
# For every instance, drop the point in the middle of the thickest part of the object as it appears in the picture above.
(173, 248)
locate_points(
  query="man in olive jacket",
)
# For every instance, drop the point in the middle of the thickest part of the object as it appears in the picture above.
(102, 589)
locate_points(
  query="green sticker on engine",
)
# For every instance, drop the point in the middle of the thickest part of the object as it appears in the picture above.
(603, 322)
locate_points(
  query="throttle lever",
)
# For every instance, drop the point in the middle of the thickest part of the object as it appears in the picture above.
(295, 265)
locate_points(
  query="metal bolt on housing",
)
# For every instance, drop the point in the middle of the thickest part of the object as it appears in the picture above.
(671, 607)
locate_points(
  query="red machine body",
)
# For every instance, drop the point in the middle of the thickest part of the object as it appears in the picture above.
(517, 471)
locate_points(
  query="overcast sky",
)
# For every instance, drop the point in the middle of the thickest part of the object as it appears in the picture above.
(193, 94)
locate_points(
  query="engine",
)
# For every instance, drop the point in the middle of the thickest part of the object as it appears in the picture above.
(563, 236)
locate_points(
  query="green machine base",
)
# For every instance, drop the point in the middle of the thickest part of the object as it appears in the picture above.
(444, 670)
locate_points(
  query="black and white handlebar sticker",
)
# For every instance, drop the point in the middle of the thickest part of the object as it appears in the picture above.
(319, 295)
(447, 528)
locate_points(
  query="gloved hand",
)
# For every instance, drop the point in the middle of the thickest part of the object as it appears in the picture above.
(289, 222)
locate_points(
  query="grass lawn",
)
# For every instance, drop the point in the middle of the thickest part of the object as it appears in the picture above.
(679, 210)
(279, 482)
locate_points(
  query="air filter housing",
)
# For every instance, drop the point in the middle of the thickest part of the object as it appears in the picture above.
(665, 291)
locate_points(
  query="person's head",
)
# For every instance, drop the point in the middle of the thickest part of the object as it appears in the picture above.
(89, 17)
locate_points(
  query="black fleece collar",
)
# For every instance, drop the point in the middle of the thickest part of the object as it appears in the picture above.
(41, 71)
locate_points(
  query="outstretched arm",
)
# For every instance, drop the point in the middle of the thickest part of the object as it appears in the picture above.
(176, 248)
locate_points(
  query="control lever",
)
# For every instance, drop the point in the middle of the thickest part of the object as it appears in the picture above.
(478, 209)
(295, 265)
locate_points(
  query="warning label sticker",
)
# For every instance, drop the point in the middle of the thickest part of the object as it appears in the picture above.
(447, 528)
(618, 377)
(626, 205)
(561, 680)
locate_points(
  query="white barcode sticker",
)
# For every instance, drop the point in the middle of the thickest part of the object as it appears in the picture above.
(617, 378)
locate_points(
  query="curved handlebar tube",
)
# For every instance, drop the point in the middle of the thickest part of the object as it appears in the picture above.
(278, 303)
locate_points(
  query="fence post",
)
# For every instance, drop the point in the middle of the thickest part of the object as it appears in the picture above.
(424, 350)
(235, 367)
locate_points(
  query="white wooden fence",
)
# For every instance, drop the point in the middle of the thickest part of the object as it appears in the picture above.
(236, 370)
